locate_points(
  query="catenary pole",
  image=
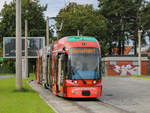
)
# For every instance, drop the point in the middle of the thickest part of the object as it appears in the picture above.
(18, 46)
(26, 48)
(47, 31)
(139, 53)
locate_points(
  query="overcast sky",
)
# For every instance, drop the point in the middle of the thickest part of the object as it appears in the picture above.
(55, 5)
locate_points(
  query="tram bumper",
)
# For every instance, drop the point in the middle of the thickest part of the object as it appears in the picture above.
(83, 92)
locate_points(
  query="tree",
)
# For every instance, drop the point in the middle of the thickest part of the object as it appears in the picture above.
(31, 10)
(126, 17)
(121, 16)
(82, 18)
(145, 19)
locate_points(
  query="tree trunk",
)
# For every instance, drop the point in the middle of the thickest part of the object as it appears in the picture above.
(122, 48)
(119, 47)
(135, 41)
(110, 48)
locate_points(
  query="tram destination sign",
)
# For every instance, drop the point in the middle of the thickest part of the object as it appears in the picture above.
(34, 44)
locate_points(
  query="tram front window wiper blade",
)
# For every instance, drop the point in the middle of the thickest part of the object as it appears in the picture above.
(81, 78)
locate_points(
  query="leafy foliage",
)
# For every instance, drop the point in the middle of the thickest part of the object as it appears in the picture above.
(145, 17)
(31, 11)
(125, 18)
(121, 21)
(84, 18)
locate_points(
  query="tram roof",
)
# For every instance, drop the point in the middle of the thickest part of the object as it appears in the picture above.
(80, 38)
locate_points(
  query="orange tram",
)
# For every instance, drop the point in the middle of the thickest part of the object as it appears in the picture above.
(71, 67)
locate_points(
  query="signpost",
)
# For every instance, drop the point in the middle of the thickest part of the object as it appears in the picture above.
(34, 44)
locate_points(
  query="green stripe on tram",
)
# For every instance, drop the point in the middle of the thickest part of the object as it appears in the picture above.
(80, 38)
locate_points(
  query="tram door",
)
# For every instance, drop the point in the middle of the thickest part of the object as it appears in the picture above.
(49, 70)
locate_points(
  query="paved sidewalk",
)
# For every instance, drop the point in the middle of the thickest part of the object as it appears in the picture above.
(6, 76)
(58, 104)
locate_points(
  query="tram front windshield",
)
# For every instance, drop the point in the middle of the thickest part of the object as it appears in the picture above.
(84, 63)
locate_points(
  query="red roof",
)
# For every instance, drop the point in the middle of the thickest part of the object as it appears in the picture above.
(126, 50)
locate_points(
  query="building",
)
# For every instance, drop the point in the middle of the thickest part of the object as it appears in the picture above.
(129, 50)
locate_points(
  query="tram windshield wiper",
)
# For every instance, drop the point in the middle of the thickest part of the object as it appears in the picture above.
(81, 77)
(73, 72)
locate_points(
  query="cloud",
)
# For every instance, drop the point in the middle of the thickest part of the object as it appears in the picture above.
(54, 6)
(94, 2)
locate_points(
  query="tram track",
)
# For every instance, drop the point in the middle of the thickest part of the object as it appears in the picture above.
(113, 107)
(96, 106)
(82, 107)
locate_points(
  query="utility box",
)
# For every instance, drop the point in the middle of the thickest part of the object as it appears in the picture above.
(124, 65)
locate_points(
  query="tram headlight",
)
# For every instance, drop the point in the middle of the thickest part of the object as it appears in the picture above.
(94, 82)
(76, 82)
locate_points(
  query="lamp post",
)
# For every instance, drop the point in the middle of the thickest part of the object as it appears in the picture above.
(55, 27)
(139, 53)
(47, 31)
(18, 46)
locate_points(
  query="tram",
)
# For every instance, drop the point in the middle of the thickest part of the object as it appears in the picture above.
(71, 67)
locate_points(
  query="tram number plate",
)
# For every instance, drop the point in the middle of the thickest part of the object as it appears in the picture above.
(89, 82)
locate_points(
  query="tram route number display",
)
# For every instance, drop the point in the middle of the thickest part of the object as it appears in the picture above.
(84, 50)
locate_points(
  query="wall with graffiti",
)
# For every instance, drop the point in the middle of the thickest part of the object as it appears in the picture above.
(125, 68)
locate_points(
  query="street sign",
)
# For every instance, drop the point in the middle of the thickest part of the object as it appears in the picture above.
(34, 44)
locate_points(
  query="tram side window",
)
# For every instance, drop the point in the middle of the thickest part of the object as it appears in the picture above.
(66, 66)
(50, 69)
(100, 68)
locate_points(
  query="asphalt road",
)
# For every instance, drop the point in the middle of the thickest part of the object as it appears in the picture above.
(126, 93)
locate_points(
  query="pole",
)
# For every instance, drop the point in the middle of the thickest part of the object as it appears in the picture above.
(78, 33)
(26, 48)
(47, 31)
(139, 53)
(18, 46)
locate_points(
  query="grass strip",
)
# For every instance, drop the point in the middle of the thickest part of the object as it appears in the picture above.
(142, 77)
(24, 101)
(32, 76)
